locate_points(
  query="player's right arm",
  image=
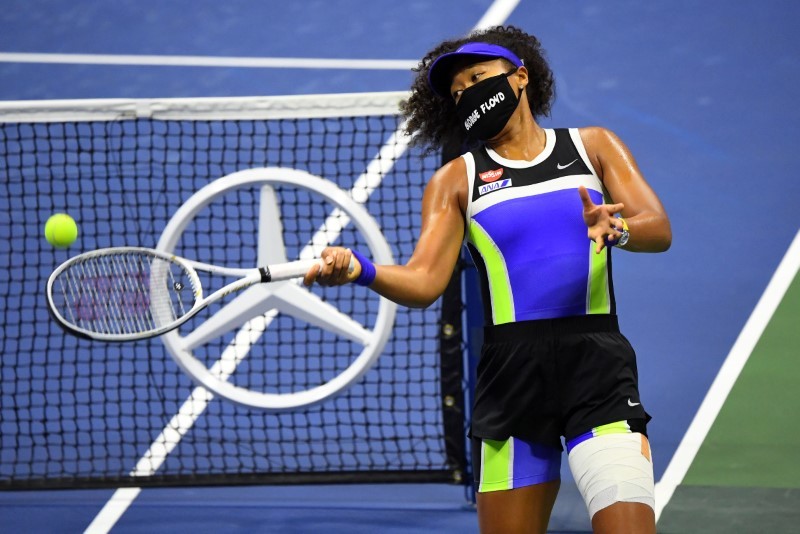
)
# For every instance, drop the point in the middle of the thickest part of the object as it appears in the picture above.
(423, 279)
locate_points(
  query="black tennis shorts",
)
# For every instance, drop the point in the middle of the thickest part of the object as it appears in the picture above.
(540, 380)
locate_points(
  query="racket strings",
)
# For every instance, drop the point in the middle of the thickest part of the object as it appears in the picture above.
(137, 293)
(80, 289)
(122, 282)
(173, 292)
(124, 293)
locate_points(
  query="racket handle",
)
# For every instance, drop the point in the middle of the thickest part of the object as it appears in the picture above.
(287, 271)
(295, 269)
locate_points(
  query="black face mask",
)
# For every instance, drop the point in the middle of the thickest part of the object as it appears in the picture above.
(484, 108)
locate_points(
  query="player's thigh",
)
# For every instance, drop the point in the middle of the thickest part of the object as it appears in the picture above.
(517, 482)
(524, 510)
(614, 473)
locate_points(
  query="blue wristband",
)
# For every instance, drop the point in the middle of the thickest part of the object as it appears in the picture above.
(368, 272)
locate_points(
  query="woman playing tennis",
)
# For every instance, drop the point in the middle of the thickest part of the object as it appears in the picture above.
(540, 211)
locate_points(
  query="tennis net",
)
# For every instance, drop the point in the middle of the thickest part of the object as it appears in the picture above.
(77, 413)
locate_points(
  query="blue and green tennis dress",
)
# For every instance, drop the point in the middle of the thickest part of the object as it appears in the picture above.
(527, 237)
(553, 362)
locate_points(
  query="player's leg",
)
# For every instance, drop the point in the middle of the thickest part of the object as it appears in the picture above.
(517, 483)
(517, 511)
(614, 474)
(608, 451)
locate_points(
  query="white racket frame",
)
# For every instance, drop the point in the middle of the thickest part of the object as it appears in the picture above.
(247, 278)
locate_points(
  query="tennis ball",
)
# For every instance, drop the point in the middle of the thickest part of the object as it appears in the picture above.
(60, 230)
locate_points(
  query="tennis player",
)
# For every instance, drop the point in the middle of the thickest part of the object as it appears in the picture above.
(540, 211)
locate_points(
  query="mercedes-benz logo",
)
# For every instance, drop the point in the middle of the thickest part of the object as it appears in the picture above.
(252, 311)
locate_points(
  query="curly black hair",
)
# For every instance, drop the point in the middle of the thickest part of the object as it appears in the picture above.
(431, 118)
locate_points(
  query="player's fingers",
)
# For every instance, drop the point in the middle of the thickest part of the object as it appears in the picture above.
(601, 243)
(585, 198)
(615, 208)
(328, 259)
(342, 263)
(312, 274)
(336, 261)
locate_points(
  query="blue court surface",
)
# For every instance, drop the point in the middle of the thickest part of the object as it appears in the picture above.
(704, 94)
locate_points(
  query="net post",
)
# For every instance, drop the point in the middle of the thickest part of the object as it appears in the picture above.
(473, 335)
(451, 361)
(454, 366)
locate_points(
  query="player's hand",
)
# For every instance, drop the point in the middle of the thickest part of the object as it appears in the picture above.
(600, 220)
(335, 270)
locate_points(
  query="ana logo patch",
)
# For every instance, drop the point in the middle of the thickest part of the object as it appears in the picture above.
(491, 176)
(494, 186)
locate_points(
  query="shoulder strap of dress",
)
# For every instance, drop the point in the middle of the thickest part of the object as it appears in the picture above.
(469, 160)
(575, 135)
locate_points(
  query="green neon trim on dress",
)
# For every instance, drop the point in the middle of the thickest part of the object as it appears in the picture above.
(499, 286)
(620, 427)
(599, 301)
(497, 465)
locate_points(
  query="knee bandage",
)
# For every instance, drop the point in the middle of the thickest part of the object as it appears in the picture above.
(613, 468)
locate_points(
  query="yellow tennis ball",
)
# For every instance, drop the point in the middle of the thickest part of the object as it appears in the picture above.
(60, 230)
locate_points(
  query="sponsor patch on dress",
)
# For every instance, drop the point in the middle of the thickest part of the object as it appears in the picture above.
(494, 186)
(491, 176)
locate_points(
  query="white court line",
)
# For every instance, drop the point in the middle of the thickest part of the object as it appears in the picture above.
(728, 373)
(122, 498)
(209, 61)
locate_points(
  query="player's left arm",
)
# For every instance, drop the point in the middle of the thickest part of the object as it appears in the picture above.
(642, 210)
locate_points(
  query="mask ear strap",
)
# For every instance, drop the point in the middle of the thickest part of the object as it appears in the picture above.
(521, 87)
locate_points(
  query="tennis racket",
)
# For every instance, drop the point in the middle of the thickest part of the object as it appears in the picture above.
(130, 293)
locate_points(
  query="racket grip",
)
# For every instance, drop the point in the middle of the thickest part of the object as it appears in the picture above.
(287, 271)
(295, 269)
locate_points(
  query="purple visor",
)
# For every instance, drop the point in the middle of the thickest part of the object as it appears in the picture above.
(439, 73)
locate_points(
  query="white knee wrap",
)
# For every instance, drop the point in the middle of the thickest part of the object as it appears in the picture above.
(613, 468)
